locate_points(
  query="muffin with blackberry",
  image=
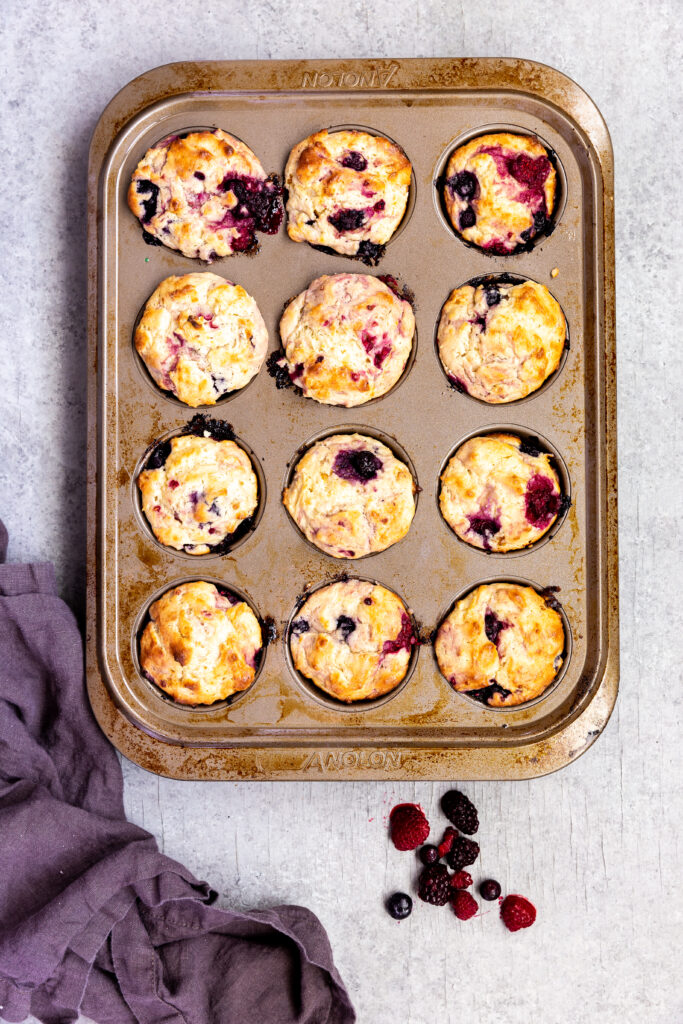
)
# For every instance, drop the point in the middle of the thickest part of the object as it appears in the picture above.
(502, 644)
(353, 640)
(201, 337)
(201, 644)
(350, 496)
(346, 339)
(198, 494)
(205, 194)
(500, 493)
(499, 341)
(499, 191)
(346, 191)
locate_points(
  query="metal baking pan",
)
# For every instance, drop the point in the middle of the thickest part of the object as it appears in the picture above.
(426, 730)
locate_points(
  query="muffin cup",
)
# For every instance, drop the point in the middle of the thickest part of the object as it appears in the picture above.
(245, 528)
(559, 465)
(143, 617)
(490, 129)
(326, 699)
(548, 593)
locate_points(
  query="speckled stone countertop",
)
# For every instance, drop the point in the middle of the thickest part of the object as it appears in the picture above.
(596, 846)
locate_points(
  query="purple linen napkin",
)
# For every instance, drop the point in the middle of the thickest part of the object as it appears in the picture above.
(93, 918)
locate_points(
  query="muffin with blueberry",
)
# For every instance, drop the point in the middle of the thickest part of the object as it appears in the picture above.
(346, 191)
(198, 494)
(201, 337)
(350, 496)
(353, 640)
(499, 341)
(346, 339)
(499, 191)
(201, 644)
(500, 493)
(502, 644)
(205, 194)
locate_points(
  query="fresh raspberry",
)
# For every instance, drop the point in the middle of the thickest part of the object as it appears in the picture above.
(461, 880)
(409, 827)
(464, 905)
(446, 843)
(434, 885)
(517, 913)
(461, 811)
(463, 852)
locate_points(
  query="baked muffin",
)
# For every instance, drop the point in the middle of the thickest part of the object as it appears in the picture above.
(353, 640)
(346, 339)
(351, 496)
(201, 337)
(346, 191)
(200, 644)
(499, 191)
(197, 492)
(500, 341)
(500, 493)
(502, 644)
(205, 194)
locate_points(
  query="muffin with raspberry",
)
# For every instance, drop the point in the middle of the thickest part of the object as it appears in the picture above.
(500, 340)
(499, 191)
(205, 194)
(346, 339)
(346, 191)
(201, 644)
(201, 337)
(502, 644)
(353, 640)
(198, 494)
(500, 493)
(350, 496)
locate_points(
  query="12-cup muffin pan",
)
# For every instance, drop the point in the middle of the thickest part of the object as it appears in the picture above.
(282, 727)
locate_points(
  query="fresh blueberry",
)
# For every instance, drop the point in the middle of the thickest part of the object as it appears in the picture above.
(399, 905)
(489, 890)
(428, 854)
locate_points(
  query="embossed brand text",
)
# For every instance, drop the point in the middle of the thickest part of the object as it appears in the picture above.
(372, 78)
(335, 760)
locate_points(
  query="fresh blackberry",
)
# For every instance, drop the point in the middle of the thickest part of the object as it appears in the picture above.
(463, 852)
(461, 811)
(434, 885)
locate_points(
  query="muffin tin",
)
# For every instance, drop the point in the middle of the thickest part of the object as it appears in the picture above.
(278, 728)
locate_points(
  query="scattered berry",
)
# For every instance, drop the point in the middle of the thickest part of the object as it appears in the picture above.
(464, 905)
(429, 854)
(409, 827)
(517, 912)
(461, 811)
(399, 905)
(447, 842)
(489, 890)
(434, 885)
(463, 852)
(461, 880)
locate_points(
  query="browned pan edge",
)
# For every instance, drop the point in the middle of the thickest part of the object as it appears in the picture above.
(387, 761)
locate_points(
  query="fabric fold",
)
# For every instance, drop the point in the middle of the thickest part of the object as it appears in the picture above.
(93, 917)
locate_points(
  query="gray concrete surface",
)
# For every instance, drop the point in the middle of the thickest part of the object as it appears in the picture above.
(596, 846)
